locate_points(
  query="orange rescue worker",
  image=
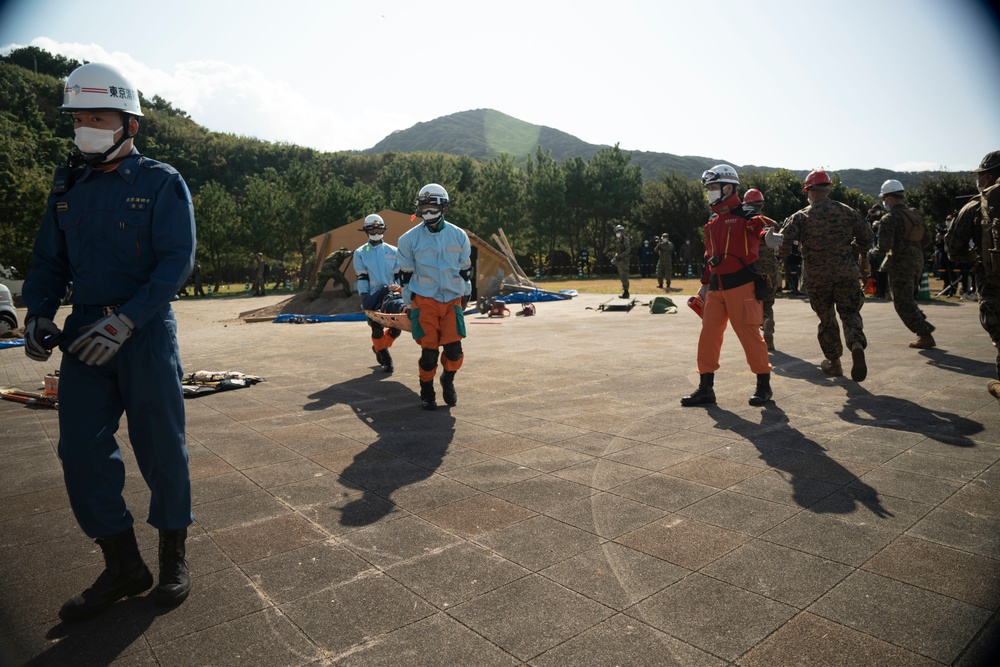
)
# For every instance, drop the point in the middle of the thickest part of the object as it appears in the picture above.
(732, 239)
(435, 270)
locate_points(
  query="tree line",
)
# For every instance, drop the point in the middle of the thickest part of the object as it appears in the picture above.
(255, 196)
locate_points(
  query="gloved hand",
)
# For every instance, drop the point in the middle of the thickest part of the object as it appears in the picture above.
(40, 336)
(465, 301)
(703, 292)
(773, 240)
(102, 340)
(614, 261)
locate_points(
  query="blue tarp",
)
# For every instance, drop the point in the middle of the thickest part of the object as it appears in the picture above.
(528, 297)
(310, 319)
(11, 342)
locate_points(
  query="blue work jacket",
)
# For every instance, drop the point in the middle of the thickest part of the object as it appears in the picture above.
(379, 262)
(435, 258)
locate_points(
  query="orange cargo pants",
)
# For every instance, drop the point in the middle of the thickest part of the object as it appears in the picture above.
(435, 325)
(737, 306)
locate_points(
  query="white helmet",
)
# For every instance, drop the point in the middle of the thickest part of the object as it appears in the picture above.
(891, 187)
(432, 194)
(720, 173)
(95, 86)
(374, 224)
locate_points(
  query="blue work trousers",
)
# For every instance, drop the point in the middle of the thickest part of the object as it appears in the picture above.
(143, 380)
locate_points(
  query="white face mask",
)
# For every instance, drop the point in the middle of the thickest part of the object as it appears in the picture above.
(94, 140)
(618, 234)
(374, 237)
(714, 196)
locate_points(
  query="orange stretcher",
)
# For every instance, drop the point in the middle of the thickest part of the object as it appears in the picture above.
(391, 320)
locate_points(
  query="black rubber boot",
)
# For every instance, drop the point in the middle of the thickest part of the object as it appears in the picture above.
(625, 295)
(448, 388)
(175, 581)
(125, 575)
(763, 392)
(705, 394)
(427, 396)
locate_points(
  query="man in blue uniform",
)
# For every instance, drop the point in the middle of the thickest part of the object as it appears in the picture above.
(121, 228)
(377, 266)
(435, 270)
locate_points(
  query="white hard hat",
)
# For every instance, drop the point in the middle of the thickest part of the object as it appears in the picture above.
(373, 221)
(432, 194)
(720, 173)
(891, 187)
(96, 86)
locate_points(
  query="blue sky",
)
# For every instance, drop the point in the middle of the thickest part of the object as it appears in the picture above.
(899, 84)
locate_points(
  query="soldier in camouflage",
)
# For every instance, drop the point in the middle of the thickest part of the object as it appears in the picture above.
(332, 269)
(767, 264)
(622, 257)
(665, 264)
(827, 232)
(978, 224)
(901, 236)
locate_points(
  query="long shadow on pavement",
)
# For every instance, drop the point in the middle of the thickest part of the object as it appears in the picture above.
(812, 474)
(409, 446)
(867, 409)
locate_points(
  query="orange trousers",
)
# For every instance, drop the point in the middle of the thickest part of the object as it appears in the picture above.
(385, 341)
(740, 308)
(438, 325)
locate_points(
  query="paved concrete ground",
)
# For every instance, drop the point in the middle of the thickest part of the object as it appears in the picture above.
(567, 512)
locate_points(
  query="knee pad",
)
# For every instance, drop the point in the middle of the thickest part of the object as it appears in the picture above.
(453, 351)
(428, 359)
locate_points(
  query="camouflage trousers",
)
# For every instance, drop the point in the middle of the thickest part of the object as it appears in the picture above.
(989, 313)
(623, 274)
(338, 279)
(831, 299)
(903, 283)
(773, 280)
(664, 271)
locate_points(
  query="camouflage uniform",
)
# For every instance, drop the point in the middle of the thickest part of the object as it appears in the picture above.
(767, 264)
(825, 231)
(905, 264)
(623, 253)
(331, 269)
(968, 227)
(665, 264)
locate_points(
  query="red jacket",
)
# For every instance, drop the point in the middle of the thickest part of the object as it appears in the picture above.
(733, 232)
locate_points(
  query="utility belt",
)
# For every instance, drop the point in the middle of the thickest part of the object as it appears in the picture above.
(89, 309)
(730, 280)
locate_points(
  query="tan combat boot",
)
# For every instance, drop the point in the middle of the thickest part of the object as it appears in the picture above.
(994, 388)
(924, 342)
(832, 367)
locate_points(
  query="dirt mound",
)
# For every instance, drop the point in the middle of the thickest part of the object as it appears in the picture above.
(331, 302)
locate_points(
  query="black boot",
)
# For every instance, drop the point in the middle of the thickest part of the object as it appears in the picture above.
(125, 574)
(763, 392)
(427, 395)
(448, 388)
(704, 394)
(175, 582)
(384, 359)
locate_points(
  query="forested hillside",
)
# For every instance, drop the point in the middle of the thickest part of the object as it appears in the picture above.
(554, 195)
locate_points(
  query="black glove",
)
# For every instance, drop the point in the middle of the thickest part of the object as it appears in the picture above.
(40, 336)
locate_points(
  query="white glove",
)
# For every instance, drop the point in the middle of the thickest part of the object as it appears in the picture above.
(772, 240)
(614, 261)
(102, 340)
(40, 336)
(703, 292)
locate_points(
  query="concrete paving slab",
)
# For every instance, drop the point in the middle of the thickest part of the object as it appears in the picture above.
(568, 511)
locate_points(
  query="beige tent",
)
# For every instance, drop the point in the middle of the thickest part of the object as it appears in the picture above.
(487, 261)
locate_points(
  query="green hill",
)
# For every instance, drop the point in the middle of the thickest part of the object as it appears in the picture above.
(484, 133)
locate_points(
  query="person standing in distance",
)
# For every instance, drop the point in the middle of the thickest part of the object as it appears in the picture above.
(377, 265)
(621, 257)
(121, 228)
(732, 240)
(828, 233)
(665, 264)
(901, 236)
(435, 271)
